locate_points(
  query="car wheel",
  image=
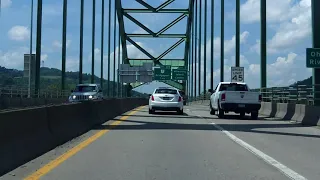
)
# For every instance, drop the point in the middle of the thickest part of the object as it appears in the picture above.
(254, 115)
(212, 111)
(220, 112)
(180, 112)
(151, 111)
(242, 114)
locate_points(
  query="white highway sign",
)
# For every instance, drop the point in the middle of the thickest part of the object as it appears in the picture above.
(237, 74)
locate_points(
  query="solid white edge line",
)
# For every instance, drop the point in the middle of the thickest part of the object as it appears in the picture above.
(282, 168)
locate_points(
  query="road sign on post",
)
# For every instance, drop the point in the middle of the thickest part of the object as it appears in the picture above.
(237, 74)
(162, 74)
(179, 74)
(313, 57)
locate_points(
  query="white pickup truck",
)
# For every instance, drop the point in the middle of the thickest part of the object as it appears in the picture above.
(234, 97)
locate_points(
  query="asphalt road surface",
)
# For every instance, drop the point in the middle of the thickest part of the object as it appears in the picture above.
(193, 146)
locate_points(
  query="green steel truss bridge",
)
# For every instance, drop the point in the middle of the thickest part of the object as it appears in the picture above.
(191, 36)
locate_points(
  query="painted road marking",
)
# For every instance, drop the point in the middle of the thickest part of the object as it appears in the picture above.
(53, 164)
(284, 169)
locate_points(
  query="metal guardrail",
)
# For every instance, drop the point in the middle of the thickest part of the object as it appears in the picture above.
(300, 94)
(22, 92)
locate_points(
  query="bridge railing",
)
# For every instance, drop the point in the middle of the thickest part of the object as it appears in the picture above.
(22, 92)
(300, 94)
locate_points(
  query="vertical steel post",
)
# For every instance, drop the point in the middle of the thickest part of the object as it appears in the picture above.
(200, 36)
(38, 47)
(222, 43)
(192, 56)
(93, 37)
(205, 47)
(195, 51)
(316, 44)
(212, 44)
(102, 43)
(119, 44)
(64, 44)
(81, 41)
(109, 44)
(30, 52)
(114, 48)
(237, 33)
(263, 44)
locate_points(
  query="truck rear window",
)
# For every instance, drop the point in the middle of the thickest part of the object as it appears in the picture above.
(233, 87)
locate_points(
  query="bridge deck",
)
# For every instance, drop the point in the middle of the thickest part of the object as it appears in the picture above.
(169, 146)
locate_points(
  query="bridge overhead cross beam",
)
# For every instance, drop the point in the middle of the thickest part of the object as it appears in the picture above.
(182, 37)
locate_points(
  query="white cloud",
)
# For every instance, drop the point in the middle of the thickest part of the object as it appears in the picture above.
(44, 57)
(294, 19)
(229, 44)
(284, 71)
(5, 3)
(19, 33)
(294, 31)
(277, 11)
(58, 44)
(13, 58)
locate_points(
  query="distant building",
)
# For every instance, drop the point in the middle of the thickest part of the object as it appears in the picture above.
(27, 61)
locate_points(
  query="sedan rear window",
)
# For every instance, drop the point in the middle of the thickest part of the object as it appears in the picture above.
(233, 87)
(166, 91)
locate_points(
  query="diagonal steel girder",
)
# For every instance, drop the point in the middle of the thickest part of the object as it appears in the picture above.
(163, 5)
(119, 10)
(178, 19)
(149, 55)
(189, 23)
(183, 37)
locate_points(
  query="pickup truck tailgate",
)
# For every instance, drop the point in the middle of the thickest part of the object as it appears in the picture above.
(242, 97)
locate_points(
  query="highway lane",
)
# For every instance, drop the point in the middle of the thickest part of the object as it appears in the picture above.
(168, 146)
(292, 144)
(163, 146)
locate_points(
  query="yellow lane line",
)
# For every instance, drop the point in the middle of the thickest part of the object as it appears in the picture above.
(54, 163)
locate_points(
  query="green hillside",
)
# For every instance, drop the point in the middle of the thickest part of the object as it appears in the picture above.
(51, 79)
(307, 82)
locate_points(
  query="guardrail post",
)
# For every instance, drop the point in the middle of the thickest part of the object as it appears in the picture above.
(272, 94)
(297, 95)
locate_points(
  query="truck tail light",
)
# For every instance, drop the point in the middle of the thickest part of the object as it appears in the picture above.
(152, 98)
(223, 97)
(260, 97)
(179, 100)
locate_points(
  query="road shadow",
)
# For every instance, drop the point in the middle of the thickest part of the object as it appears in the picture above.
(251, 128)
(184, 116)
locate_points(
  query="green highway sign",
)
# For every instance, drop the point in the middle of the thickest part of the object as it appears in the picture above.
(162, 74)
(165, 67)
(313, 57)
(179, 74)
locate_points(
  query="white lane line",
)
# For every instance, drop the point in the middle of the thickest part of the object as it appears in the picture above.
(284, 169)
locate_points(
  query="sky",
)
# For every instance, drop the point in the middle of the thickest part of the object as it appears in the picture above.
(288, 35)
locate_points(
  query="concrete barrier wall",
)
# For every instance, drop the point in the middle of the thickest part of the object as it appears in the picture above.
(28, 133)
(304, 114)
(16, 102)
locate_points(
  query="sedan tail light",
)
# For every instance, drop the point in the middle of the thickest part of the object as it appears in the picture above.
(152, 98)
(179, 100)
(223, 97)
